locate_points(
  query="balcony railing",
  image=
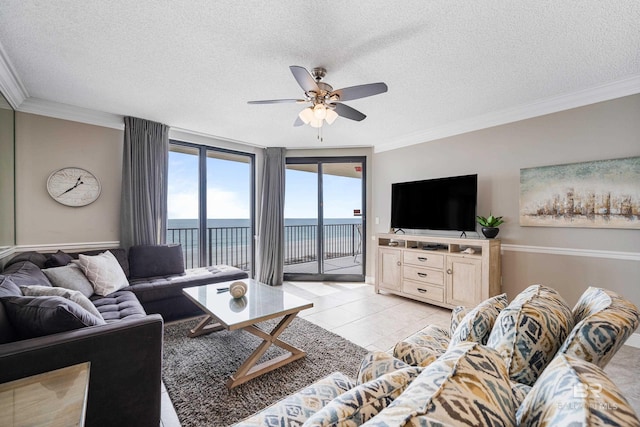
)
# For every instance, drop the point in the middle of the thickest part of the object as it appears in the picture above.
(232, 245)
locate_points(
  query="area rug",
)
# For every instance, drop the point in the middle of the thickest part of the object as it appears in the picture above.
(195, 370)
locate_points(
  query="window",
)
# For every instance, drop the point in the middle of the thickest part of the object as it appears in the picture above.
(210, 205)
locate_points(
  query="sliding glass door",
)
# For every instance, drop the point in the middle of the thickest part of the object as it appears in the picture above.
(210, 205)
(324, 219)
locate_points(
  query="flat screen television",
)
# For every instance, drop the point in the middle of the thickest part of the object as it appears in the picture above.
(435, 204)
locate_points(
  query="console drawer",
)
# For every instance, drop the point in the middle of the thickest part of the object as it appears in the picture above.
(424, 259)
(424, 275)
(422, 290)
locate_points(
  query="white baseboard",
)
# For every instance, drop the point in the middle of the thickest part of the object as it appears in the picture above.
(633, 341)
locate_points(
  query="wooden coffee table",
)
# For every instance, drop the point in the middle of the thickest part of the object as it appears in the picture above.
(261, 302)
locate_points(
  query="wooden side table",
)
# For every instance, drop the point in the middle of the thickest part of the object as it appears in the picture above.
(55, 398)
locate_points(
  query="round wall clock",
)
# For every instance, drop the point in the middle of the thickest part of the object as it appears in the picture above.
(73, 187)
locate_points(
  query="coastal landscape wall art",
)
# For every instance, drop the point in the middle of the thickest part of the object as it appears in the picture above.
(597, 194)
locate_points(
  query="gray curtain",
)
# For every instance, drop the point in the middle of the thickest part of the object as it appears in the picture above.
(144, 183)
(271, 242)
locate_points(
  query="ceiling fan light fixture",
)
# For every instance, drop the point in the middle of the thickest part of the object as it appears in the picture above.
(306, 115)
(316, 123)
(331, 116)
(320, 111)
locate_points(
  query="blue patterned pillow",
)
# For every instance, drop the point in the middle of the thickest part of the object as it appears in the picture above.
(530, 330)
(572, 392)
(364, 401)
(476, 325)
(423, 347)
(376, 364)
(468, 385)
(297, 408)
(604, 321)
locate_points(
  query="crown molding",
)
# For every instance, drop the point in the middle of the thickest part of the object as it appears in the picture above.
(10, 84)
(600, 93)
(58, 110)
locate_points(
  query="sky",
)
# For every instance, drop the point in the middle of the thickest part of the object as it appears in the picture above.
(228, 191)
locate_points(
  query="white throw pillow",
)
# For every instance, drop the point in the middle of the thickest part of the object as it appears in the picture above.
(52, 291)
(104, 272)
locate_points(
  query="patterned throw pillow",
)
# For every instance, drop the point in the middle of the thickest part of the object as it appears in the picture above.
(572, 392)
(604, 321)
(364, 401)
(423, 347)
(457, 314)
(75, 296)
(104, 273)
(297, 408)
(530, 330)
(468, 385)
(376, 364)
(477, 324)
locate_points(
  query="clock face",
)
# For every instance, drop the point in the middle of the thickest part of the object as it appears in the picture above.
(73, 187)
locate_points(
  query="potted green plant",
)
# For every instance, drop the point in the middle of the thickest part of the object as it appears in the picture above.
(490, 225)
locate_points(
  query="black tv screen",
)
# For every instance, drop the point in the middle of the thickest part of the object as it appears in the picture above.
(435, 204)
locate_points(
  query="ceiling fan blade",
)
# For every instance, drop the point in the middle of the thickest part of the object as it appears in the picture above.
(298, 122)
(276, 101)
(349, 113)
(360, 91)
(304, 79)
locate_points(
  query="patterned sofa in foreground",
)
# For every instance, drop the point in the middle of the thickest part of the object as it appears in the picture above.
(531, 362)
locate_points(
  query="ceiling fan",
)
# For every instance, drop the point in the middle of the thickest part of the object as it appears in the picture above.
(326, 103)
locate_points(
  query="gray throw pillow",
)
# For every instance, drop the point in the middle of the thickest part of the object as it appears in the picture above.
(155, 260)
(26, 273)
(70, 277)
(39, 316)
(59, 259)
(75, 296)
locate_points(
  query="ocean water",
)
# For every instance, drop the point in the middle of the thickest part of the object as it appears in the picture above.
(229, 240)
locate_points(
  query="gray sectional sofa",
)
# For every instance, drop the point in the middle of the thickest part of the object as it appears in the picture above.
(123, 343)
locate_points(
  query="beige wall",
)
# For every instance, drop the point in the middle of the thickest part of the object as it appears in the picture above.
(44, 145)
(606, 130)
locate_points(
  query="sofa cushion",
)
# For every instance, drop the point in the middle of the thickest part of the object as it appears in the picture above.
(364, 401)
(26, 273)
(69, 277)
(476, 325)
(119, 305)
(468, 385)
(423, 347)
(574, 392)
(377, 363)
(155, 260)
(7, 289)
(52, 291)
(530, 330)
(164, 287)
(59, 259)
(604, 321)
(294, 410)
(37, 316)
(35, 257)
(104, 272)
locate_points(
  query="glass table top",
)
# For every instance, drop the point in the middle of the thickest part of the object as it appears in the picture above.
(261, 302)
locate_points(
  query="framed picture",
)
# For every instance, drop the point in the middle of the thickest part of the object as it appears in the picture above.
(598, 194)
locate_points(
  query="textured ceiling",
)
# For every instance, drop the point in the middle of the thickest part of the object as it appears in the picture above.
(195, 64)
